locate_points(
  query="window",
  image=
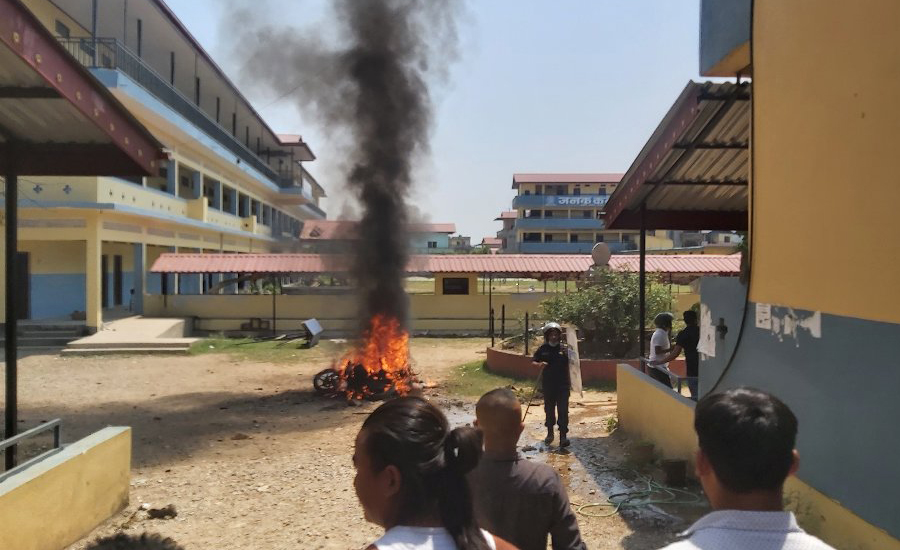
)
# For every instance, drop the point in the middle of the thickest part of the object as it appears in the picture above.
(455, 285)
(586, 214)
(576, 191)
(62, 30)
(537, 189)
(242, 205)
(727, 238)
(140, 36)
(573, 238)
(601, 191)
(172, 68)
(218, 108)
(548, 238)
(527, 192)
(548, 213)
(433, 244)
(531, 237)
(599, 238)
(197, 90)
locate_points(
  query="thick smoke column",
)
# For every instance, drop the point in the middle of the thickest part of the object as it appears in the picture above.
(373, 90)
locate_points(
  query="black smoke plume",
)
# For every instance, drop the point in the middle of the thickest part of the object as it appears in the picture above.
(371, 89)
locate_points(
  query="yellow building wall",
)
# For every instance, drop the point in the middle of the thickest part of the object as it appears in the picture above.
(48, 14)
(651, 412)
(62, 498)
(825, 184)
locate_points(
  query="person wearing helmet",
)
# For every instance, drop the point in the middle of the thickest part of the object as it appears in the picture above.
(659, 347)
(553, 358)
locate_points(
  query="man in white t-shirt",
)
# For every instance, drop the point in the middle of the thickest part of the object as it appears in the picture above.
(659, 347)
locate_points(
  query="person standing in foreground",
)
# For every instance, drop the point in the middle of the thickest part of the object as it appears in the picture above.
(552, 358)
(746, 452)
(516, 499)
(410, 479)
(659, 347)
(686, 341)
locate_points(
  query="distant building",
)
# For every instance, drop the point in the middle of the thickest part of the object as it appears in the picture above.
(560, 214)
(492, 244)
(461, 244)
(336, 236)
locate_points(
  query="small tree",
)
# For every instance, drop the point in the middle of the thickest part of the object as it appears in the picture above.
(606, 309)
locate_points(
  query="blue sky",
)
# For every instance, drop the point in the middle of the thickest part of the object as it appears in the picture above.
(540, 86)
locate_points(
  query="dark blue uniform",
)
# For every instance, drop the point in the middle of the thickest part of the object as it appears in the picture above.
(555, 385)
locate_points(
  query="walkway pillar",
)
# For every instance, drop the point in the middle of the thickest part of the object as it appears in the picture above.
(140, 260)
(196, 185)
(172, 177)
(93, 307)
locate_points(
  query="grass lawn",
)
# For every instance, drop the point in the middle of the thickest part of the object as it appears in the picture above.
(268, 351)
(472, 380)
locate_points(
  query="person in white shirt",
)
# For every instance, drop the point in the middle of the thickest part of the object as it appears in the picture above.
(659, 347)
(746, 452)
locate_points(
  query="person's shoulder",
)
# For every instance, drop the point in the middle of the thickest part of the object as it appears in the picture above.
(543, 476)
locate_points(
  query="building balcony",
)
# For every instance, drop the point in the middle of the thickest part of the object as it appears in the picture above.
(559, 201)
(569, 248)
(553, 224)
(108, 53)
(724, 37)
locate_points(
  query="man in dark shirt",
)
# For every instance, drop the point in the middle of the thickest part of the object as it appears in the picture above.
(517, 500)
(554, 360)
(687, 341)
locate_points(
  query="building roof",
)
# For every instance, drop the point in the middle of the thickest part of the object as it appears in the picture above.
(491, 241)
(565, 178)
(525, 265)
(693, 172)
(507, 215)
(345, 229)
(55, 117)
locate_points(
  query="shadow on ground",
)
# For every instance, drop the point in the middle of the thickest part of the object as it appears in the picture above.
(172, 428)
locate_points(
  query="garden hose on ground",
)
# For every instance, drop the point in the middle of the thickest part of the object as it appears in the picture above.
(653, 493)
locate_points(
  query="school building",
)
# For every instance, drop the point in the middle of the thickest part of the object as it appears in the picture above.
(230, 183)
(816, 316)
(561, 214)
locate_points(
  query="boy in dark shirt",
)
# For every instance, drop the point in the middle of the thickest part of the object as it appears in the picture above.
(687, 341)
(554, 360)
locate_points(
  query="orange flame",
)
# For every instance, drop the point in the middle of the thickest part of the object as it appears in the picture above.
(383, 352)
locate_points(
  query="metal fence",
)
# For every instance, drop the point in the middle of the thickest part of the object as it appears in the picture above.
(10, 446)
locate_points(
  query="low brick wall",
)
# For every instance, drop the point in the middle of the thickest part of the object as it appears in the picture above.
(593, 371)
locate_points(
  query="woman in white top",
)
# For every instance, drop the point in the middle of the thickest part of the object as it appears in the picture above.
(410, 479)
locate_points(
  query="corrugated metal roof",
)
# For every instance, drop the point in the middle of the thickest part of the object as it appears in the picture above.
(695, 163)
(565, 178)
(64, 121)
(346, 229)
(506, 264)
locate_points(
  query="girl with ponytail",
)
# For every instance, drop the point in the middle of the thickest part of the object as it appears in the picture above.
(410, 479)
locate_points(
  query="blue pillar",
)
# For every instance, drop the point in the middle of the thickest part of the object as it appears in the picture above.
(196, 185)
(137, 296)
(234, 198)
(246, 200)
(172, 177)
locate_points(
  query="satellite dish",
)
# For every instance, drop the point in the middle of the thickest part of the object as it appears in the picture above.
(600, 253)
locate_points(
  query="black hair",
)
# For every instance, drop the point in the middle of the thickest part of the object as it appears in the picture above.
(413, 435)
(145, 541)
(663, 320)
(748, 436)
(690, 317)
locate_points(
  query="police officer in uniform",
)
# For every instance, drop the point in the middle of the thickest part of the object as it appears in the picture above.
(553, 358)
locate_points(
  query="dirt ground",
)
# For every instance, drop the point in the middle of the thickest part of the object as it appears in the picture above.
(252, 458)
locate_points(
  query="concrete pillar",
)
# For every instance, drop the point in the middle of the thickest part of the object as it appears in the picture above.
(246, 200)
(234, 198)
(196, 185)
(93, 286)
(172, 177)
(140, 260)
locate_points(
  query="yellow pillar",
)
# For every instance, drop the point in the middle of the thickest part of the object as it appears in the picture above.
(93, 306)
(2, 262)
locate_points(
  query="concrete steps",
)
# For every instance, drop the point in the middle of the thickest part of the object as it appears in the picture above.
(135, 335)
(43, 337)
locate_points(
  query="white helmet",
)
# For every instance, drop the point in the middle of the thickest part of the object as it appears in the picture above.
(551, 326)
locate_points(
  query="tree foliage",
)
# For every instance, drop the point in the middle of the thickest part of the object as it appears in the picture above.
(606, 308)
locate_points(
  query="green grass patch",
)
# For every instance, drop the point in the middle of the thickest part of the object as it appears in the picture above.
(267, 351)
(473, 380)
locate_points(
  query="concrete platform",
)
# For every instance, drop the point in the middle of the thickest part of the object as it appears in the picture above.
(136, 335)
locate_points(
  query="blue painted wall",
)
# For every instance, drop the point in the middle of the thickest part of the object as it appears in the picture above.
(56, 294)
(419, 241)
(843, 386)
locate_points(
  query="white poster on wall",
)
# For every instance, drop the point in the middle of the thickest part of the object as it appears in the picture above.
(707, 344)
(764, 316)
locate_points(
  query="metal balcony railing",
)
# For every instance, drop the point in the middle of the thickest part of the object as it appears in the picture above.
(109, 53)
